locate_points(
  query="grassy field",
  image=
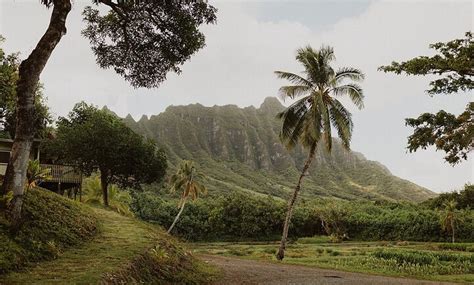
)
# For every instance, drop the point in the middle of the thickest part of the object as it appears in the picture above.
(124, 251)
(431, 261)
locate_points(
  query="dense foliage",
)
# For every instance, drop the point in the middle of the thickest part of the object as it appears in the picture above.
(450, 133)
(464, 199)
(454, 60)
(119, 199)
(94, 139)
(51, 223)
(239, 216)
(144, 40)
(9, 64)
(447, 132)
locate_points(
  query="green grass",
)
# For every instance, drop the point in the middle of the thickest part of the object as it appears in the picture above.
(51, 224)
(125, 250)
(404, 259)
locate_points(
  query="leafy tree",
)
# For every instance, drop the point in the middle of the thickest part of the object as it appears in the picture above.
(449, 218)
(96, 139)
(310, 119)
(464, 199)
(334, 217)
(141, 40)
(186, 179)
(8, 78)
(447, 132)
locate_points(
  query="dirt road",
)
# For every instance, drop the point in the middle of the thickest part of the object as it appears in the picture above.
(241, 271)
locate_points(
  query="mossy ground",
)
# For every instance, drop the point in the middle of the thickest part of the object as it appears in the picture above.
(124, 250)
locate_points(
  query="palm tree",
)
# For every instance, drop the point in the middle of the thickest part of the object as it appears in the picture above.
(35, 174)
(317, 109)
(448, 217)
(119, 200)
(185, 179)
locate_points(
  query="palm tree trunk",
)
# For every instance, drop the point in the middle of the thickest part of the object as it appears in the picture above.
(105, 186)
(291, 204)
(452, 230)
(29, 73)
(178, 215)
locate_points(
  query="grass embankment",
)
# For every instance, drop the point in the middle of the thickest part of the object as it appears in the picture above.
(119, 250)
(432, 261)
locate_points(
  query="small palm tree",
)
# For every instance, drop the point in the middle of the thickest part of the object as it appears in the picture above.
(449, 217)
(310, 119)
(119, 200)
(36, 174)
(186, 179)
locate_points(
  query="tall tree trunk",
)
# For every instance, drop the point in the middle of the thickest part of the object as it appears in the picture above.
(104, 183)
(291, 204)
(29, 73)
(178, 215)
(452, 230)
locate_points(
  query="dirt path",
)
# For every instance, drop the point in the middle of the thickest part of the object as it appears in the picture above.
(241, 271)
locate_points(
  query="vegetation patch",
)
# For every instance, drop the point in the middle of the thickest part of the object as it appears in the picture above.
(165, 263)
(51, 223)
(416, 260)
(243, 217)
(457, 246)
(124, 251)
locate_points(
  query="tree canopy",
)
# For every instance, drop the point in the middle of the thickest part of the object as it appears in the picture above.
(94, 139)
(143, 40)
(309, 119)
(453, 134)
(454, 61)
(9, 64)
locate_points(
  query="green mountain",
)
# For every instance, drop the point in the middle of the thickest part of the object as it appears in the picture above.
(239, 150)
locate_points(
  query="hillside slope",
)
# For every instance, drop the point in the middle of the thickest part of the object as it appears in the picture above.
(239, 149)
(121, 250)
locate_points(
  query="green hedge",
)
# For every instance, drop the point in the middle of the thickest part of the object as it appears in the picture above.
(240, 216)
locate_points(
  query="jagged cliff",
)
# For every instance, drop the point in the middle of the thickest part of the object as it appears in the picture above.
(239, 150)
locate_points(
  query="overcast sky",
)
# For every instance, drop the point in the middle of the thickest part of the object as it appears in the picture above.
(250, 41)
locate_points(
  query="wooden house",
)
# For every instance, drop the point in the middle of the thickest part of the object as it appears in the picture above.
(63, 178)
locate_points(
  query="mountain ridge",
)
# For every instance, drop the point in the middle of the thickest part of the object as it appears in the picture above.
(239, 148)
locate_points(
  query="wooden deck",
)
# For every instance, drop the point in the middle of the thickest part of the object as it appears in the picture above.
(63, 173)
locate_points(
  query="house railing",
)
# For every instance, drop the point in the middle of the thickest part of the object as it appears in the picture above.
(62, 173)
